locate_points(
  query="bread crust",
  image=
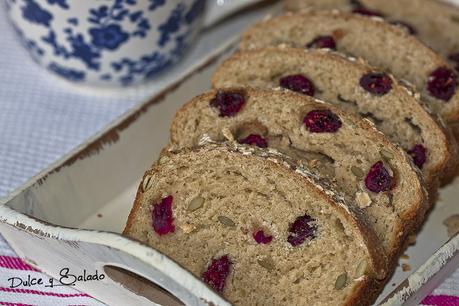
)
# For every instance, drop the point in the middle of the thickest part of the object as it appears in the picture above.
(372, 284)
(405, 39)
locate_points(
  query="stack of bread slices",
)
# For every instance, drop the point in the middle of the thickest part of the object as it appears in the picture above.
(297, 179)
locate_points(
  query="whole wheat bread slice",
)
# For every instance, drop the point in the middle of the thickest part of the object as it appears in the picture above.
(434, 22)
(397, 113)
(383, 45)
(347, 154)
(214, 201)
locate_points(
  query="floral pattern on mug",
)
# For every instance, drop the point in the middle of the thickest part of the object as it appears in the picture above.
(90, 41)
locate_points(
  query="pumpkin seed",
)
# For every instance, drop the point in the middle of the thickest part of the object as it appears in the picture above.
(361, 268)
(267, 263)
(386, 155)
(341, 281)
(357, 172)
(196, 203)
(226, 221)
(362, 199)
(147, 183)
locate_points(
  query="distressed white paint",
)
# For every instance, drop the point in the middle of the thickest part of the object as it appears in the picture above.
(428, 276)
(53, 248)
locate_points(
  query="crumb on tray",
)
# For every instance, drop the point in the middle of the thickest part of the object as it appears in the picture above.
(452, 225)
(404, 256)
(412, 239)
(406, 267)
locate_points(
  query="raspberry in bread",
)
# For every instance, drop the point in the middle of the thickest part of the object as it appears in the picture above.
(234, 217)
(381, 44)
(335, 145)
(357, 88)
(433, 22)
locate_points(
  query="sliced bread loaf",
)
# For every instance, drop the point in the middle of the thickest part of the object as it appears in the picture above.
(357, 88)
(434, 22)
(333, 144)
(234, 217)
(383, 45)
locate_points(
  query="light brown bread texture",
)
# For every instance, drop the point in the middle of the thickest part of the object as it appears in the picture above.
(436, 23)
(398, 113)
(344, 157)
(383, 45)
(252, 191)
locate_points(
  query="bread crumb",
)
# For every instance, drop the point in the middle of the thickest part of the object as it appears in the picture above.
(267, 17)
(452, 225)
(404, 256)
(411, 239)
(228, 135)
(187, 228)
(283, 46)
(406, 267)
(338, 34)
(362, 199)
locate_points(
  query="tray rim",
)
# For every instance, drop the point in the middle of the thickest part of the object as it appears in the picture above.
(40, 228)
(110, 134)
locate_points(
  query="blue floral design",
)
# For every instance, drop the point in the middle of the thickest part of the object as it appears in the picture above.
(117, 13)
(68, 73)
(73, 21)
(171, 25)
(105, 77)
(175, 20)
(84, 52)
(153, 70)
(197, 8)
(154, 4)
(181, 44)
(57, 49)
(80, 49)
(62, 3)
(108, 37)
(35, 14)
(106, 34)
(148, 66)
(112, 25)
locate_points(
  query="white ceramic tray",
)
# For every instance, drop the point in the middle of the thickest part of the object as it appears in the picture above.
(70, 216)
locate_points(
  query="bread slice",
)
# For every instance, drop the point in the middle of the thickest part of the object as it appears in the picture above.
(434, 22)
(383, 45)
(334, 78)
(333, 144)
(234, 217)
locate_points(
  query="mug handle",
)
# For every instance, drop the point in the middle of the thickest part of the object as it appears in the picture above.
(219, 9)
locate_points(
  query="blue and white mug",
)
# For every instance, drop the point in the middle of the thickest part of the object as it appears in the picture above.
(112, 42)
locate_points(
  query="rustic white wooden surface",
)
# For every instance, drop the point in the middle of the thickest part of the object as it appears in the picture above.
(81, 249)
